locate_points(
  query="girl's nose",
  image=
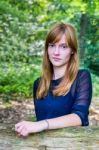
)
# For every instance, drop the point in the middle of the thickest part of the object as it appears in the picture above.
(56, 51)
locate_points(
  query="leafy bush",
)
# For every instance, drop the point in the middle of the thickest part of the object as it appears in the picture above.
(18, 81)
(95, 81)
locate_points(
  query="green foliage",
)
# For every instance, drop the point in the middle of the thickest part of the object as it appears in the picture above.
(23, 28)
(95, 81)
(7, 8)
(17, 79)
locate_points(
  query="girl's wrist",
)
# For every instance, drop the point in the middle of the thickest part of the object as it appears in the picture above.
(45, 124)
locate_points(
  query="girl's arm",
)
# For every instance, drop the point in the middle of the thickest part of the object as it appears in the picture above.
(24, 128)
(63, 121)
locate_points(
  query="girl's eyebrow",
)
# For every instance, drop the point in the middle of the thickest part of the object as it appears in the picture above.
(51, 43)
(63, 44)
(59, 44)
(55, 43)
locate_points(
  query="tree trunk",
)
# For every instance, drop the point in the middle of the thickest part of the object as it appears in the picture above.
(82, 36)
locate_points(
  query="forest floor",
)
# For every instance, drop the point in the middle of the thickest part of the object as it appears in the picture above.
(16, 111)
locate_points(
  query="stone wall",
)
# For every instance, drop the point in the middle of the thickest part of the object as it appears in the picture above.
(72, 138)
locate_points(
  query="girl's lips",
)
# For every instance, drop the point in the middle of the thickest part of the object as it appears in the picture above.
(55, 58)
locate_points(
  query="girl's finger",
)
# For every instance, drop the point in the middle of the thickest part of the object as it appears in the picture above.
(18, 125)
(19, 129)
(24, 132)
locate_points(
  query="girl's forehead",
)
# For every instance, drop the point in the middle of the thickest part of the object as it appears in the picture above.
(63, 39)
(58, 38)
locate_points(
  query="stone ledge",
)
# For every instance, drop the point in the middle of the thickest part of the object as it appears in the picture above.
(71, 138)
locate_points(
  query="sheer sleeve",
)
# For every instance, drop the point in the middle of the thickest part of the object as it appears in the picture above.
(83, 96)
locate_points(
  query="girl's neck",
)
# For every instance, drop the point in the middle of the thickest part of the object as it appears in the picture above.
(59, 72)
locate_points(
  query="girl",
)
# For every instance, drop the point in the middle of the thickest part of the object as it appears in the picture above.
(62, 95)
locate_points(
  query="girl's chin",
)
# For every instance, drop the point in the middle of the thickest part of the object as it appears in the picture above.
(57, 65)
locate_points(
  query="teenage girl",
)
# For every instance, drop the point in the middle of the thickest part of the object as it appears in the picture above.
(62, 94)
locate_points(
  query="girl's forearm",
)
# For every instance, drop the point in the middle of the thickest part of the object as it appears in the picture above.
(61, 122)
(26, 127)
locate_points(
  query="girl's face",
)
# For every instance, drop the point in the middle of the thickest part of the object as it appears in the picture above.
(59, 53)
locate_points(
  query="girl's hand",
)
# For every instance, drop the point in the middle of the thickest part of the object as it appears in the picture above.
(24, 128)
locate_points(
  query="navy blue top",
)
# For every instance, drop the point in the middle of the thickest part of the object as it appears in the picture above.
(78, 102)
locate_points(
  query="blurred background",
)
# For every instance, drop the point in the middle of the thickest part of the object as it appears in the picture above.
(23, 28)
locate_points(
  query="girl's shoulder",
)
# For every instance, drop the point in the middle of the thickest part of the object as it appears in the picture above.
(35, 86)
(36, 81)
(83, 73)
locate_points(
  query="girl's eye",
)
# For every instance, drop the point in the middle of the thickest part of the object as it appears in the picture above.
(51, 45)
(63, 46)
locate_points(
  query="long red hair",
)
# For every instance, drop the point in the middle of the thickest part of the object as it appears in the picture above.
(47, 69)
